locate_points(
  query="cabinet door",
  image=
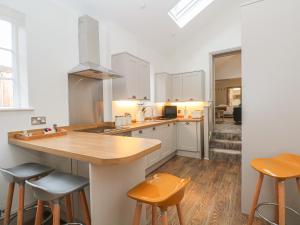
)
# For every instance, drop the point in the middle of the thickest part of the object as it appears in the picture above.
(160, 85)
(143, 81)
(169, 88)
(169, 139)
(187, 136)
(192, 87)
(163, 87)
(174, 136)
(177, 87)
(132, 78)
(157, 133)
(135, 83)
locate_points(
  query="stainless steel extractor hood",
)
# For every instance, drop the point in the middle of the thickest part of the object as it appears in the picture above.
(89, 56)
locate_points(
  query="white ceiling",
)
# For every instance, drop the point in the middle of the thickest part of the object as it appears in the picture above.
(152, 23)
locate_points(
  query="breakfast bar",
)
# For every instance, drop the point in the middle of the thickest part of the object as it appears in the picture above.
(116, 164)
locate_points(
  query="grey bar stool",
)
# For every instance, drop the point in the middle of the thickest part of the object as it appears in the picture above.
(19, 175)
(56, 186)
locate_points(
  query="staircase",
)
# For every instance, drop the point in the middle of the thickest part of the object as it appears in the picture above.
(226, 146)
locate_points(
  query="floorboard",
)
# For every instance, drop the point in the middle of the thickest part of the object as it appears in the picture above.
(213, 196)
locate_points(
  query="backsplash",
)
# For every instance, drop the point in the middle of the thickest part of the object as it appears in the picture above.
(132, 107)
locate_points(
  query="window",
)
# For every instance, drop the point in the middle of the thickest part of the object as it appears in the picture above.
(185, 10)
(7, 65)
(13, 74)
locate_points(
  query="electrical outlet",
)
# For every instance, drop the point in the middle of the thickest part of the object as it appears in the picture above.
(38, 120)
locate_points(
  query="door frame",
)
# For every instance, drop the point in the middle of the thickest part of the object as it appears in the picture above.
(212, 96)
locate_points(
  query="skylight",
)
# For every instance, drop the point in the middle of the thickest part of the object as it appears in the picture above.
(185, 10)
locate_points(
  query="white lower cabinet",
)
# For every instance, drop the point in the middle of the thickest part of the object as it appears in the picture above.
(166, 133)
(182, 136)
(189, 136)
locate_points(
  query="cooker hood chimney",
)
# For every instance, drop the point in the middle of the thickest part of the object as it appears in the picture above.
(89, 56)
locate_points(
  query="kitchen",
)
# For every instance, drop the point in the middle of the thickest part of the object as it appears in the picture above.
(50, 89)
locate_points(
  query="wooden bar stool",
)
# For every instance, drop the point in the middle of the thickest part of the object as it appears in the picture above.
(19, 175)
(53, 188)
(162, 190)
(281, 167)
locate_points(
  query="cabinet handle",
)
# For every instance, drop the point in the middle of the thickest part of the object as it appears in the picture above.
(140, 131)
(133, 96)
(187, 123)
(145, 98)
(154, 128)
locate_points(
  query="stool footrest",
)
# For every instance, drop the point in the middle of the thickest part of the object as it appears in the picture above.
(28, 209)
(260, 213)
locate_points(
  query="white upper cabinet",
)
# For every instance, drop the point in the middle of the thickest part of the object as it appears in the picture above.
(177, 88)
(193, 87)
(180, 87)
(163, 87)
(135, 83)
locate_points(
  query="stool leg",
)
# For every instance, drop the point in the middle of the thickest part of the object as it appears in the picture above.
(69, 211)
(179, 212)
(164, 217)
(21, 204)
(298, 182)
(137, 213)
(281, 202)
(86, 212)
(255, 199)
(10, 196)
(39, 213)
(154, 215)
(56, 214)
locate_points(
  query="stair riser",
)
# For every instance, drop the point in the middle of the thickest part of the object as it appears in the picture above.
(227, 136)
(222, 145)
(219, 156)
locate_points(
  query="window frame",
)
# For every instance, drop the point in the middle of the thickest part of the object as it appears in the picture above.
(19, 65)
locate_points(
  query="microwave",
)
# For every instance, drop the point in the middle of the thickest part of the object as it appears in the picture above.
(169, 112)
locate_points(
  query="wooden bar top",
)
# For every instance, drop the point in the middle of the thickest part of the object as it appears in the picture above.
(149, 123)
(92, 148)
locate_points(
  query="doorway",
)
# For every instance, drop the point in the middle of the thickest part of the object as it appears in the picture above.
(226, 91)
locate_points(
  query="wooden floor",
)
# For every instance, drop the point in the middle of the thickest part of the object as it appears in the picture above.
(213, 197)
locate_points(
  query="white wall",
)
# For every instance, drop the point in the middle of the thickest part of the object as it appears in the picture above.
(52, 43)
(271, 48)
(224, 32)
(228, 67)
(118, 40)
(52, 51)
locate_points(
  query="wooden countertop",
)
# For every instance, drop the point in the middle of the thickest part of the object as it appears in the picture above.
(92, 148)
(96, 148)
(146, 124)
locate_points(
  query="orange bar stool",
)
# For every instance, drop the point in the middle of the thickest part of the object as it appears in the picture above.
(281, 167)
(162, 190)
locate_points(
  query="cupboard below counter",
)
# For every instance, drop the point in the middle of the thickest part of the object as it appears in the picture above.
(183, 138)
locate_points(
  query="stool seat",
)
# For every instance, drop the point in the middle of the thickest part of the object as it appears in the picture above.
(158, 189)
(283, 166)
(57, 185)
(25, 171)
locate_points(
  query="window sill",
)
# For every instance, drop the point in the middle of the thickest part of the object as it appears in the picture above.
(16, 109)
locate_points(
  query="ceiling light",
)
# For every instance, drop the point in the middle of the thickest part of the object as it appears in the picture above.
(185, 10)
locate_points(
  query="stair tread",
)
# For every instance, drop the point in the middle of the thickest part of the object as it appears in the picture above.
(226, 151)
(226, 141)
